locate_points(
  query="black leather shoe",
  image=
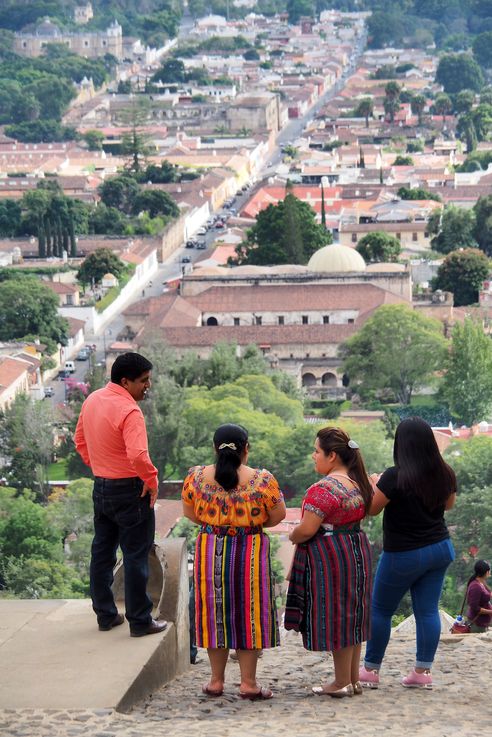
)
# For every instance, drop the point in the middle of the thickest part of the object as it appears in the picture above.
(155, 626)
(119, 619)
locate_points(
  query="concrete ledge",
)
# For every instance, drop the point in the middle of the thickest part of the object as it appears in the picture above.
(52, 656)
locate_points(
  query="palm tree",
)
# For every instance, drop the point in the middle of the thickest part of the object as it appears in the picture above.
(443, 105)
(392, 99)
(365, 108)
(418, 103)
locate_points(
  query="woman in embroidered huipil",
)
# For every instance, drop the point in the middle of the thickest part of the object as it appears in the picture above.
(234, 598)
(328, 600)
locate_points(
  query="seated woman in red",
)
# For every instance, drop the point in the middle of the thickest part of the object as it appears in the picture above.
(478, 597)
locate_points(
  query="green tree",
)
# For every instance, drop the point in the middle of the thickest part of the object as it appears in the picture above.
(10, 218)
(402, 160)
(462, 272)
(468, 379)
(470, 519)
(102, 261)
(379, 246)
(486, 95)
(155, 202)
(171, 71)
(412, 345)
(443, 105)
(94, 139)
(451, 228)
(417, 193)
(72, 513)
(106, 220)
(482, 49)
(465, 131)
(161, 174)
(384, 28)
(31, 552)
(40, 131)
(456, 72)
(463, 102)
(392, 100)
(53, 94)
(483, 223)
(286, 233)
(120, 192)
(482, 120)
(27, 443)
(365, 109)
(418, 104)
(27, 307)
(26, 532)
(297, 8)
(251, 55)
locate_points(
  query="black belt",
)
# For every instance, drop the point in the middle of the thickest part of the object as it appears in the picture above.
(134, 481)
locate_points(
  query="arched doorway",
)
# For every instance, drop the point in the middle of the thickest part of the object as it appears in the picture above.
(308, 379)
(329, 379)
(212, 321)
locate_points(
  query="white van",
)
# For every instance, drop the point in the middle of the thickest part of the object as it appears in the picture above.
(69, 366)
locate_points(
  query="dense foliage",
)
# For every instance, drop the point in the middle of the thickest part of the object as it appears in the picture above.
(462, 273)
(28, 307)
(285, 233)
(396, 351)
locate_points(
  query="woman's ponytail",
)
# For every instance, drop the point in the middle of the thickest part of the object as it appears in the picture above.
(230, 443)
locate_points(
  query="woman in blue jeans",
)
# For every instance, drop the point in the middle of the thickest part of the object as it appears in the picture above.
(414, 494)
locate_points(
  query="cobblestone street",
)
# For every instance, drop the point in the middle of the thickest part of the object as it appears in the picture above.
(462, 678)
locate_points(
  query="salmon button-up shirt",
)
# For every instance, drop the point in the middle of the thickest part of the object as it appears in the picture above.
(111, 436)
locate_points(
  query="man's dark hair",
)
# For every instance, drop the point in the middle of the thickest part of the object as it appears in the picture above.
(129, 366)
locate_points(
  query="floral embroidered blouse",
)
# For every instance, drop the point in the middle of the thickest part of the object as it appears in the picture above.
(245, 506)
(331, 500)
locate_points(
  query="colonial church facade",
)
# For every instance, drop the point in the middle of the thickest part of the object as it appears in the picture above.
(89, 44)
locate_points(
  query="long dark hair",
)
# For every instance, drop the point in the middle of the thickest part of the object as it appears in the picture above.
(335, 439)
(230, 443)
(421, 468)
(479, 569)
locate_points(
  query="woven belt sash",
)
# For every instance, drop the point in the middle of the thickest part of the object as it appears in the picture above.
(340, 530)
(227, 530)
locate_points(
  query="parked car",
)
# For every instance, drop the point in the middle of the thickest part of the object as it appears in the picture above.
(48, 391)
(201, 245)
(191, 243)
(83, 355)
(219, 224)
(185, 260)
(201, 231)
(69, 367)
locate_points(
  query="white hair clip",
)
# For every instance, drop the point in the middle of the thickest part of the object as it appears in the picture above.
(230, 445)
(352, 444)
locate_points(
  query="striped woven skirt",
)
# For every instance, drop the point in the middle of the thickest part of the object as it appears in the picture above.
(234, 597)
(329, 594)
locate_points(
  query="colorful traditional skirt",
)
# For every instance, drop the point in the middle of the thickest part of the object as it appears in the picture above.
(234, 598)
(329, 594)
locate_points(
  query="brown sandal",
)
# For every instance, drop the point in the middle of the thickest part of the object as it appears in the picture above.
(262, 694)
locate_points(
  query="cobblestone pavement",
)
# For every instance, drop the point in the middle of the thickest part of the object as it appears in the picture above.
(459, 701)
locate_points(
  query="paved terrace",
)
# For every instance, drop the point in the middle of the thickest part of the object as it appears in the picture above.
(459, 705)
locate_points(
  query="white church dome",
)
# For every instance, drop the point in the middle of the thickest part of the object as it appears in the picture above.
(336, 259)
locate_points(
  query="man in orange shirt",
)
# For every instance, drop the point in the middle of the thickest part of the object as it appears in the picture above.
(111, 438)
